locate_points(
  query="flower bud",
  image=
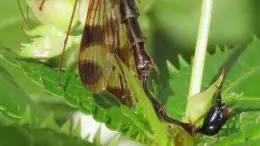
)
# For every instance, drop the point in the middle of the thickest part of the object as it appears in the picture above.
(199, 104)
(47, 42)
(55, 12)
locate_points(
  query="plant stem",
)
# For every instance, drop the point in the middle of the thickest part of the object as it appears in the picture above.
(159, 130)
(201, 48)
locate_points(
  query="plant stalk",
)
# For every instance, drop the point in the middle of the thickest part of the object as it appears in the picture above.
(201, 48)
(159, 130)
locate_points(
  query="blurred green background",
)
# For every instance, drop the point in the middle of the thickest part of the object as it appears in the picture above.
(175, 25)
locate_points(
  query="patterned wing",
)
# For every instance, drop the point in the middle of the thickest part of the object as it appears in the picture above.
(104, 43)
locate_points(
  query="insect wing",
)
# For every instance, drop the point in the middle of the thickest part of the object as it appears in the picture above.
(104, 43)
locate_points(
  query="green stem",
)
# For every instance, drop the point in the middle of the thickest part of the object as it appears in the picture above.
(201, 48)
(159, 130)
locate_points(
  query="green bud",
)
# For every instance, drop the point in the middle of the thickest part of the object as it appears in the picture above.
(55, 12)
(47, 42)
(199, 104)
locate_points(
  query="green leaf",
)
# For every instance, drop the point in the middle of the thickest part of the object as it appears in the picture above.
(46, 42)
(246, 134)
(244, 73)
(14, 101)
(240, 79)
(248, 142)
(76, 131)
(179, 84)
(106, 99)
(66, 127)
(46, 131)
(50, 123)
(240, 85)
(6, 120)
(114, 141)
(15, 135)
(97, 137)
(77, 96)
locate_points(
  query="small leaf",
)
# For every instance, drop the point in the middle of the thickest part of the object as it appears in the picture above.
(50, 123)
(114, 141)
(171, 68)
(135, 119)
(14, 101)
(76, 131)
(106, 99)
(15, 135)
(66, 127)
(47, 42)
(248, 133)
(97, 137)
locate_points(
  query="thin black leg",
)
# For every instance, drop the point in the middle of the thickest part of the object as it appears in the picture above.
(161, 112)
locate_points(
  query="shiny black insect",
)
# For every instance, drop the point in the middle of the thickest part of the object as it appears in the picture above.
(213, 121)
(215, 118)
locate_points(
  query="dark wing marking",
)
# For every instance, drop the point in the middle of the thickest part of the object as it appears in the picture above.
(104, 43)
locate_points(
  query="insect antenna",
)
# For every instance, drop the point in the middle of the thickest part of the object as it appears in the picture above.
(219, 89)
(160, 110)
(27, 15)
(42, 4)
(65, 41)
(21, 11)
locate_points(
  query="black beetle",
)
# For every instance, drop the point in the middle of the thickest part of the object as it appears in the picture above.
(213, 121)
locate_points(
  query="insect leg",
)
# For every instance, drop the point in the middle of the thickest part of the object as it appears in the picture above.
(27, 16)
(147, 92)
(42, 4)
(65, 42)
(160, 110)
(21, 11)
